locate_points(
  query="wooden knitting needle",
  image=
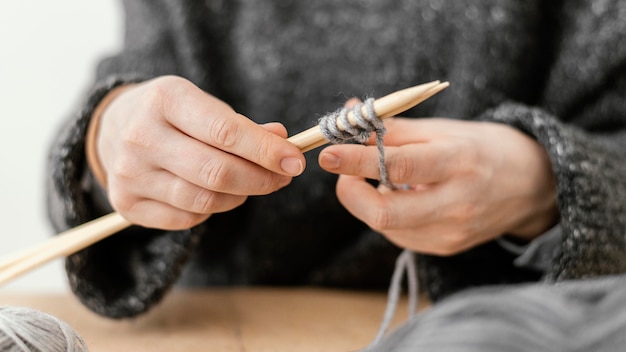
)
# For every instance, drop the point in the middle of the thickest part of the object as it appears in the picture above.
(80, 237)
(64, 244)
(387, 106)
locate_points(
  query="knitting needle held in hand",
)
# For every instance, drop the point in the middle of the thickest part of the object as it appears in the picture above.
(387, 106)
(73, 240)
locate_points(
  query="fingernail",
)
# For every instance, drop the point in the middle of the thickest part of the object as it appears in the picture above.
(292, 166)
(330, 161)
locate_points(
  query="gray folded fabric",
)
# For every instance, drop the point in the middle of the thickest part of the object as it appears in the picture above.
(581, 315)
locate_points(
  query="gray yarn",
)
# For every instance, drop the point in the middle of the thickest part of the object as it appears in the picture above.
(29, 330)
(366, 124)
(406, 260)
(576, 316)
(360, 133)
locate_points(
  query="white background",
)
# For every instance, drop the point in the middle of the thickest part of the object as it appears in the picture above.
(48, 52)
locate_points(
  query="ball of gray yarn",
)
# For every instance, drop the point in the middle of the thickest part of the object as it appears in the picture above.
(26, 330)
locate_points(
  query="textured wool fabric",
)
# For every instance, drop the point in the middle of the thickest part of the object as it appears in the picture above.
(553, 69)
(576, 316)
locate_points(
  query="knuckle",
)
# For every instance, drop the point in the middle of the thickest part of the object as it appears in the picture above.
(172, 81)
(134, 136)
(155, 94)
(223, 132)
(121, 201)
(215, 174)
(204, 202)
(402, 169)
(124, 167)
(265, 147)
(164, 91)
(266, 186)
(177, 219)
(273, 183)
(382, 219)
(185, 220)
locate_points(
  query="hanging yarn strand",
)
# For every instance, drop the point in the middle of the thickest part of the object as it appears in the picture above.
(336, 128)
(405, 261)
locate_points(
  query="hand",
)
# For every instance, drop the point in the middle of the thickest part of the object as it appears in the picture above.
(173, 155)
(469, 182)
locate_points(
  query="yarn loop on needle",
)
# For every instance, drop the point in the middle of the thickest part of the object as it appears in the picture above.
(337, 129)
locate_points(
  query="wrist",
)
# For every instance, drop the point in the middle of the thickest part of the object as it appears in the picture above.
(91, 149)
(543, 215)
(531, 184)
(539, 224)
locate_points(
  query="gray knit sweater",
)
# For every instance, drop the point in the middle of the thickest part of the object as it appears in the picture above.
(553, 69)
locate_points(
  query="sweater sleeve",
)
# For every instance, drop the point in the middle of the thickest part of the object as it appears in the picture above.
(591, 192)
(129, 272)
(580, 119)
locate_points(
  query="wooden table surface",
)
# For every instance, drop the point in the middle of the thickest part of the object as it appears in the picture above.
(229, 319)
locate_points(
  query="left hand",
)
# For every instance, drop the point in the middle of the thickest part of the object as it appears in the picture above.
(470, 183)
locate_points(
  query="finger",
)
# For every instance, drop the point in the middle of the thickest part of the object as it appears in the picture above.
(214, 169)
(164, 187)
(213, 122)
(420, 241)
(428, 221)
(437, 239)
(387, 211)
(407, 164)
(401, 131)
(445, 237)
(407, 227)
(153, 214)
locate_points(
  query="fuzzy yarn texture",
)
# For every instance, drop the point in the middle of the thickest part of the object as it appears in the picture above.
(552, 69)
(366, 124)
(29, 330)
(574, 316)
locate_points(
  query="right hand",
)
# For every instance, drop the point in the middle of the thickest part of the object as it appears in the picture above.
(173, 154)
